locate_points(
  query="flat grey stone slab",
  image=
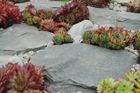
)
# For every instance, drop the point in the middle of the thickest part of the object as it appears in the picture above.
(41, 4)
(83, 65)
(109, 17)
(23, 38)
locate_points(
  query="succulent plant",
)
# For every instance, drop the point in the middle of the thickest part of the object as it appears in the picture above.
(97, 3)
(61, 37)
(110, 37)
(87, 36)
(28, 77)
(34, 16)
(106, 86)
(71, 13)
(6, 73)
(10, 14)
(124, 87)
(52, 26)
(134, 6)
(136, 43)
(134, 77)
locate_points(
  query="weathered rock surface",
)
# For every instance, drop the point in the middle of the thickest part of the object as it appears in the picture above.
(23, 38)
(110, 17)
(83, 65)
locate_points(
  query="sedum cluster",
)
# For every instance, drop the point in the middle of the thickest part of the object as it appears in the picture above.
(109, 37)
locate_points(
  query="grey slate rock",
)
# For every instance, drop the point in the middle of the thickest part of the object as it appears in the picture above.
(23, 38)
(64, 88)
(109, 17)
(83, 65)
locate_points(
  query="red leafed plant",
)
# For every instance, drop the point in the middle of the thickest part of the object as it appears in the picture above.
(6, 73)
(33, 16)
(97, 3)
(71, 13)
(9, 14)
(52, 26)
(28, 78)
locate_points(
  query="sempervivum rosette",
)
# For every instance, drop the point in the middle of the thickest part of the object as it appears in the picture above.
(72, 12)
(9, 14)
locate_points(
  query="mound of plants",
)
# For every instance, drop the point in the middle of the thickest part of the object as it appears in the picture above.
(134, 6)
(17, 1)
(72, 13)
(136, 43)
(33, 16)
(42, 19)
(9, 14)
(97, 3)
(52, 26)
(61, 37)
(130, 83)
(26, 78)
(109, 37)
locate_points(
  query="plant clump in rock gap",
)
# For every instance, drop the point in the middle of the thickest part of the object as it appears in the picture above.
(130, 83)
(97, 3)
(136, 42)
(109, 37)
(26, 78)
(52, 26)
(61, 37)
(42, 19)
(134, 6)
(72, 13)
(33, 16)
(9, 14)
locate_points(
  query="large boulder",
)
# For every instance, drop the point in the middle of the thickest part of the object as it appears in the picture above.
(83, 65)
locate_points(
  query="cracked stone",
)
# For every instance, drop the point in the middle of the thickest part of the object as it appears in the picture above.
(83, 65)
(23, 38)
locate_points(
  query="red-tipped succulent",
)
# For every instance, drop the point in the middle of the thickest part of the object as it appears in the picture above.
(28, 78)
(72, 12)
(96, 3)
(52, 26)
(9, 14)
(33, 16)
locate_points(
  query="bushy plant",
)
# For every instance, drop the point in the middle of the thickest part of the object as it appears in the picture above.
(52, 26)
(124, 87)
(97, 3)
(61, 37)
(134, 6)
(136, 43)
(71, 13)
(9, 14)
(106, 86)
(28, 78)
(43, 19)
(33, 16)
(130, 83)
(109, 37)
